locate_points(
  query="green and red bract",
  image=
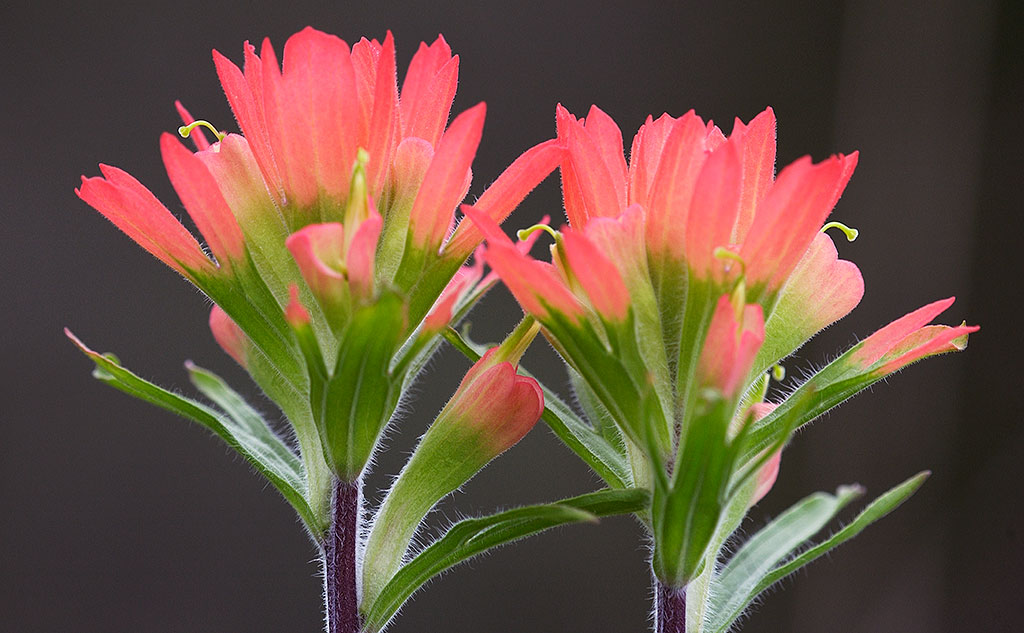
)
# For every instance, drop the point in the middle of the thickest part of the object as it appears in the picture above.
(682, 277)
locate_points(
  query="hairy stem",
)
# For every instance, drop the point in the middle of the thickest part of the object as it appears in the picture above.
(669, 608)
(341, 563)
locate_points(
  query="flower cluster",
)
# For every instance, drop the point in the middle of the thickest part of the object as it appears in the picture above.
(328, 222)
(681, 279)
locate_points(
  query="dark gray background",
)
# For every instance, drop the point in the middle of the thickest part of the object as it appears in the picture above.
(116, 516)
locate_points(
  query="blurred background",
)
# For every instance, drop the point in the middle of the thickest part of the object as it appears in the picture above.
(116, 516)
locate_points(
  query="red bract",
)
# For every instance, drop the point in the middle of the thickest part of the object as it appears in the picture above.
(909, 339)
(732, 341)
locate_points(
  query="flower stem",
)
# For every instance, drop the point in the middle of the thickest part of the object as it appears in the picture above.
(669, 608)
(340, 559)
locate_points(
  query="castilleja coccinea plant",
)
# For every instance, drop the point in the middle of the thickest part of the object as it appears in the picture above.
(681, 280)
(337, 268)
(333, 260)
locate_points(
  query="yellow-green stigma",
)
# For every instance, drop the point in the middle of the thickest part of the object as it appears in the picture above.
(186, 130)
(850, 233)
(524, 234)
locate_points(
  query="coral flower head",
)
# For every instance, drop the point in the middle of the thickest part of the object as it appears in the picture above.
(336, 202)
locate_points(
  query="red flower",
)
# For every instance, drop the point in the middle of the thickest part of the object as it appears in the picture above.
(360, 179)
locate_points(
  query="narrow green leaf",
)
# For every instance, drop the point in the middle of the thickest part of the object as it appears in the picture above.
(687, 509)
(734, 583)
(589, 445)
(471, 537)
(699, 589)
(242, 429)
(596, 414)
(883, 505)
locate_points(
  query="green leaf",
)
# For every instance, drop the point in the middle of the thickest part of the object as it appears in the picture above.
(596, 414)
(592, 447)
(471, 537)
(698, 590)
(734, 583)
(720, 621)
(241, 428)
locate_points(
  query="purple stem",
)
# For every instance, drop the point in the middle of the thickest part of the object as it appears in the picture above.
(340, 564)
(669, 608)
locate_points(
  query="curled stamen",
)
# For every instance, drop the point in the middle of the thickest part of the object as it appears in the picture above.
(850, 233)
(186, 130)
(779, 373)
(523, 234)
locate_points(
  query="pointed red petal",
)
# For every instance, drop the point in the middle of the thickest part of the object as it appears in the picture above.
(288, 136)
(849, 164)
(596, 185)
(927, 341)
(362, 252)
(505, 193)
(247, 104)
(878, 344)
(322, 108)
(575, 208)
(671, 192)
(133, 209)
(445, 182)
(385, 123)
(365, 57)
(598, 276)
(608, 138)
(758, 140)
(714, 208)
(645, 156)
(788, 219)
(428, 91)
(203, 200)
